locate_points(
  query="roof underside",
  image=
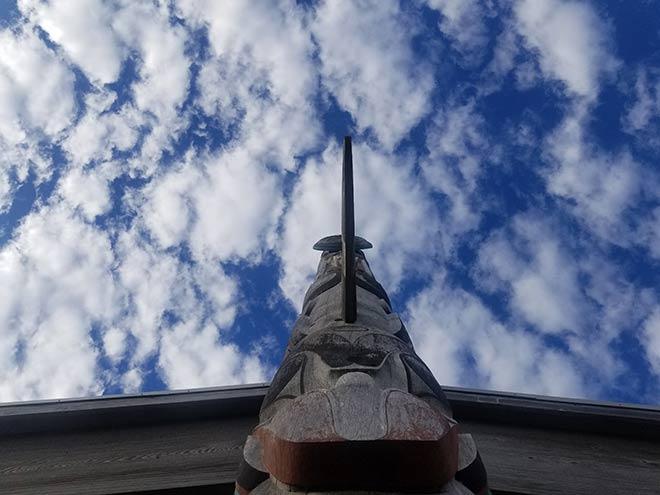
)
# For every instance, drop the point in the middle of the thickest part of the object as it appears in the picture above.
(183, 439)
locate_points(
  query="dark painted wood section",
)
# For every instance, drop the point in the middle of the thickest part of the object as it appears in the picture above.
(203, 453)
(228, 489)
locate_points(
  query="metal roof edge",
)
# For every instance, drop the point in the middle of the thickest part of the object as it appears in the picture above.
(115, 411)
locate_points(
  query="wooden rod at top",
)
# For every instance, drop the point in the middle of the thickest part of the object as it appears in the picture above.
(349, 295)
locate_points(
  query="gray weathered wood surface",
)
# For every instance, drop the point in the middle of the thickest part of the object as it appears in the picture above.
(537, 461)
(173, 440)
(519, 460)
(124, 460)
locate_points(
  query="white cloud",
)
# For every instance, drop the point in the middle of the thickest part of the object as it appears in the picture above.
(642, 118)
(312, 214)
(168, 211)
(164, 66)
(16, 163)
(505, 51)
(565, 287)
(58, 360)
(597, 186)
(650, 233)
(6, 191)
(368, 64)
(509, 57)
(651, 340)
(83, 28)
(132, 380)
(237, 208)
(458, 148)
(463, 22)
(535, 296)
(620, 303)
(647, 103)
(99, 133)
(573, 42)
(152, 288)
(36, 88)
(241, 97)
(169, 302)
(225, 205)
(530, 263)
(584, 302)
(36, 103)
(36, 95)
(154, 282)
(271, 35)
(89, 190)
(261, 78)
(220, 291)
(464, 344)
(114, 343)
(196, 357)
(163, 74)
(57, 285)
(98, 37)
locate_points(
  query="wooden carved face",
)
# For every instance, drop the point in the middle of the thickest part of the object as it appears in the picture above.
(354, 396)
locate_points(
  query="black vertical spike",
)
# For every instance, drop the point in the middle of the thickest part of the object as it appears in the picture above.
(349, 295)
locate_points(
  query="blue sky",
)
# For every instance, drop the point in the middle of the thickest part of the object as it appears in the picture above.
(165, 168)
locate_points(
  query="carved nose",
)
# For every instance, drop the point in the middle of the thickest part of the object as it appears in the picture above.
(357, 407)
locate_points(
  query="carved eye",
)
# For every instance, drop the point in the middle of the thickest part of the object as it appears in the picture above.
(322, 284)
(417, 371)
(371, 284)
(282, 378)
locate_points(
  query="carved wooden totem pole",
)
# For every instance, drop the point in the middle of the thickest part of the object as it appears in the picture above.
(353, 408)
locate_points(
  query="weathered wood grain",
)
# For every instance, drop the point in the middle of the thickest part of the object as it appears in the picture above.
(128, 460)
(547, 462)
(124, 460)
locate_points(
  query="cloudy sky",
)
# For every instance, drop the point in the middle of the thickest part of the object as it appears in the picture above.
(166, 166)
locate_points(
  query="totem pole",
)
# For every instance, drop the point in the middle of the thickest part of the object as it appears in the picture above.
(353, 408)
